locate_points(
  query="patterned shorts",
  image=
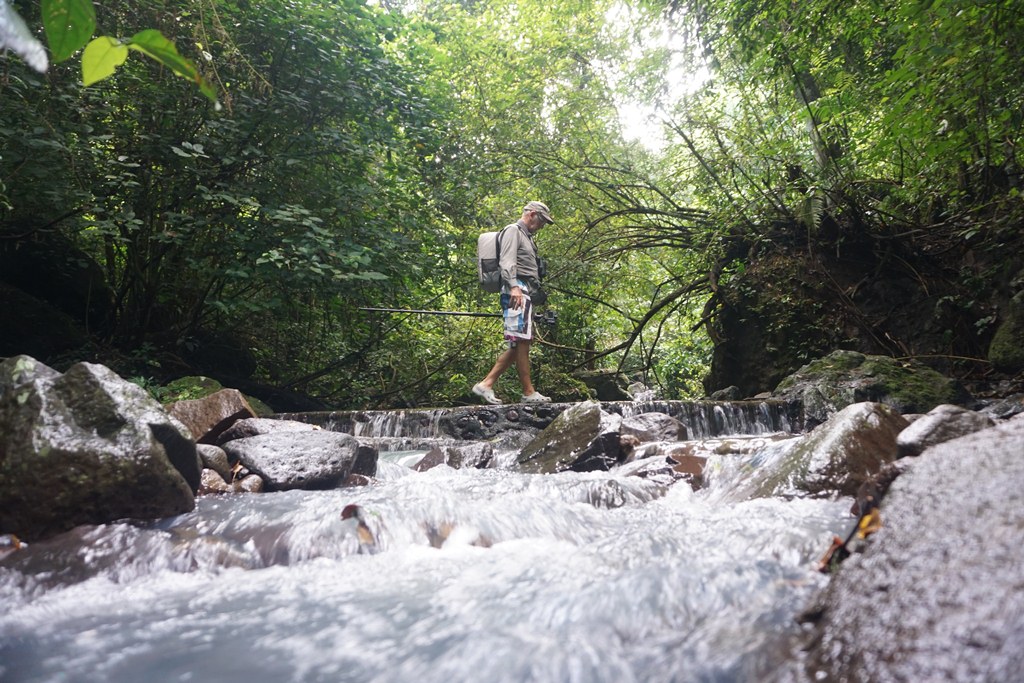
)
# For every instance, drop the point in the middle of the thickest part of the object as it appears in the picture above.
(518, 322)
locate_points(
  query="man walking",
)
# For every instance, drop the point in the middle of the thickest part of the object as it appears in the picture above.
(520, 288)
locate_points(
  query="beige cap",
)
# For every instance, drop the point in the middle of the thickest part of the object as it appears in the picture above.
(540, 208)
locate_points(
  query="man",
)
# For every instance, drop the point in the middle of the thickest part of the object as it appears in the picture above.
(520, 283)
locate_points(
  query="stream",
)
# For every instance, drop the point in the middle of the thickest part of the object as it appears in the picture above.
(465, 575)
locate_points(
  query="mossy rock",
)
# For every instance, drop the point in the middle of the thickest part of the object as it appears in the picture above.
(562, 388)
(842, 378)
(197, 386)
(189, 388)
(1006, 352)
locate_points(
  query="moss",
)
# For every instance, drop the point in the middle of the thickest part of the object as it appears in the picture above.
(919, 388)
(832, 368)
(1007, 349)
(844, 377)
(188, 388)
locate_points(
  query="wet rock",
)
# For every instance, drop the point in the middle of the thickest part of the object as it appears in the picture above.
(366, 460)
(627, 446)
(252, 483)
(690, 466)
(654, 427)
(434, 457)
(254, 426)
(470, 455)
(942, 423)
(729, 393)
(297, 460)
(208, 417)
(582, 438)
(843, 378)
(1005, 408)
(214, 458)
(936, 594)
(213, 482)
(86, 447)
(838, 456)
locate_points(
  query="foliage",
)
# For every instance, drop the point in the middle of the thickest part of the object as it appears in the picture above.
(361, 149)
(70, 23)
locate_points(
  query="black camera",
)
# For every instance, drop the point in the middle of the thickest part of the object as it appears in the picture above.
(548, 317)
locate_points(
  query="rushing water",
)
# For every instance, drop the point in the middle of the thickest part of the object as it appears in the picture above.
(475, 575)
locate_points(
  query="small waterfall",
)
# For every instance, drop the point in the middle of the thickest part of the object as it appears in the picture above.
(703, 419)
(419, 424)
(708, 419)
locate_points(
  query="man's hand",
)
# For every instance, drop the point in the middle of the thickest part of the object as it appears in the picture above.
(516, 298)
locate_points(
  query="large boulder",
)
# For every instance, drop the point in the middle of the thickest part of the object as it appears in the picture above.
(582, 438)
(254, 426)
(1006, 352)
(86, 447)
(838, 456)
(297, 459)
(942, 423)
(936, 594)
(842, 378)
(653, 427)
(208, 417)
(606, 385)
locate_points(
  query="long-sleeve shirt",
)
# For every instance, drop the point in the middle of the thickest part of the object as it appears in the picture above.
(519, 258)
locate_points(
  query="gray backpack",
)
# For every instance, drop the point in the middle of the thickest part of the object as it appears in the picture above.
(488, 256)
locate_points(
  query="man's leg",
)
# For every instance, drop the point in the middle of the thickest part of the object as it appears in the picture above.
(504, 362)
(522, 360)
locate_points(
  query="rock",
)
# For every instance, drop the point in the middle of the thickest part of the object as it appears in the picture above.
(214, 458)
(1005, 408)
(653, 427)
(475, 455)
(86, 447)
(839, 455)
(471, 455)
(252, 483)
(638, 391)
(691, 467)
(729, 393)
(935, 596)
(942, 423)
(297, 460)
(366, 461)
(434, 457)
(843, 378)
(23, 369)
(606, 385)
(189, 388)
(253, 426)
(1006, 352)
(582, 438)
(213, 482)
(207, 418)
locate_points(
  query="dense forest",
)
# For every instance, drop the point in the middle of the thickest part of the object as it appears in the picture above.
(738, 188)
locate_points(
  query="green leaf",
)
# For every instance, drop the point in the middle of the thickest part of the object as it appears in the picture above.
(153, 44)
(101, 57)
(68, 24)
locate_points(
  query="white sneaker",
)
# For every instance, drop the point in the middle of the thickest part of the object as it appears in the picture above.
(535, 397)
(486, 394)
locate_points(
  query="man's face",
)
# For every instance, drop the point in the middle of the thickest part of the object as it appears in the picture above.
(537, 221)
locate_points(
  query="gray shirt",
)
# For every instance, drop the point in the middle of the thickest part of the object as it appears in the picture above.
(519, 258)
